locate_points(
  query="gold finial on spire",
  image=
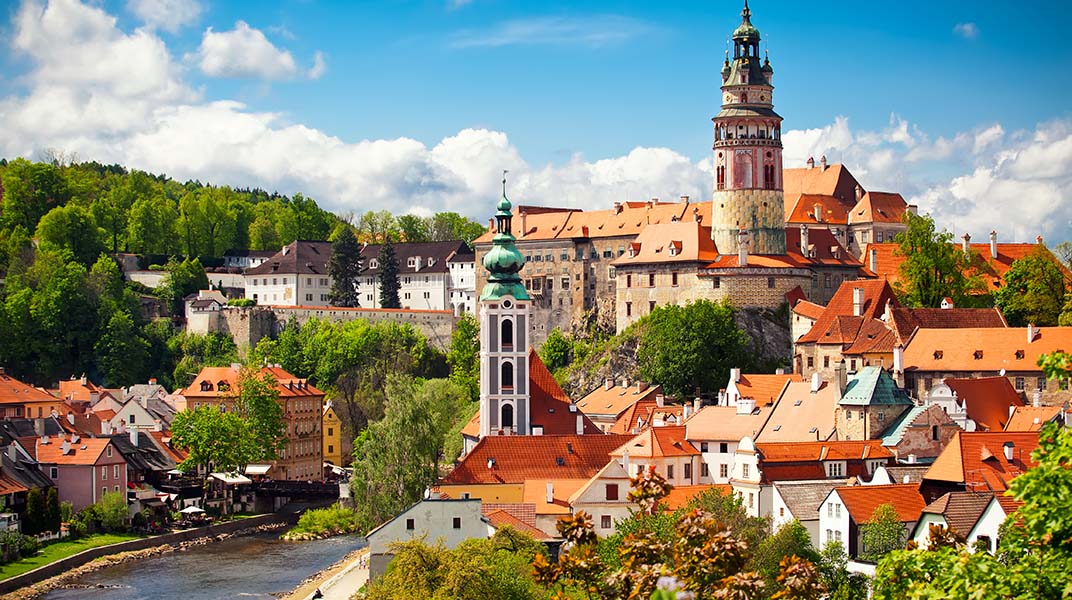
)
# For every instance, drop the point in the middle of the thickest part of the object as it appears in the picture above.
(505, 171)
(746, 12)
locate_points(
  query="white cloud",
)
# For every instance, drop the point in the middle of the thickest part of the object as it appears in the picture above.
(594, 31)
(169, 15)
(243, 52)
(112, 96)
(968, 31)
(319, 67)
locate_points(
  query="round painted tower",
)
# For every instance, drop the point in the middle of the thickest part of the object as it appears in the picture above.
(748, 151)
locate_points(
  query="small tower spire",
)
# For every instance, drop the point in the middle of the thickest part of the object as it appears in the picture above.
(746, 13)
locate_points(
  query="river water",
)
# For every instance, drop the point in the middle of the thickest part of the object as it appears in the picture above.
(255, 566)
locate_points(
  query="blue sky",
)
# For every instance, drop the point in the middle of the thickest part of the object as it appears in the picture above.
(587, 101)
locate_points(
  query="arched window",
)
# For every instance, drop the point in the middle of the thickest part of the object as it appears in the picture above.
(507, 334)
(507, 373)
(507, 420)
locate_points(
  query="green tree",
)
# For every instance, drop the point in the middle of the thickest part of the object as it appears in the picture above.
(375, 225)
(258, 403)
(35, 519)
(792, 539)
(111, 511)
(152, 226)
(464, 355)
(446, 226)
(883, 534)
(30, 190)
(213, 439)
(52, 510)
(933, 267)
(691, 347)
(121, 352)
(413, 228)
(305, 220)
(835, 575)
(388, 276)
(344, 268)
(182, 279)
(556, 350)
(197, 351)
(1034, 290)
(263, 234)
(72, 228)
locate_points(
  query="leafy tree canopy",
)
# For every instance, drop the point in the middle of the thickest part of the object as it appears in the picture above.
(934, 267)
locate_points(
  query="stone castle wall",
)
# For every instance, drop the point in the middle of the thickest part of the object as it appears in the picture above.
(759, 288)
(761, 212)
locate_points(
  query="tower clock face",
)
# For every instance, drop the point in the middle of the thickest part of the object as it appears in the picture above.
(762, 98)
(727, 98)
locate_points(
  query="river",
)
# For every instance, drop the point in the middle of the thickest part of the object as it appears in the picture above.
(255, 566)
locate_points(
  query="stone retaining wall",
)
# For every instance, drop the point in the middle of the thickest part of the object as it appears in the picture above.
(63, 565)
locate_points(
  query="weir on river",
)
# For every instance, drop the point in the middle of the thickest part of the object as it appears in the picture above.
(256, 566)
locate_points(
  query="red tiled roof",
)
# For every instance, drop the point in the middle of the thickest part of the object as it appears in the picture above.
(888, 260)
(878, 207)
(961, 510)
(544, 223)
(659, 442)
(521, 457)
(985, 349)
(524, 512)
(873, 337)
(977, 460)
(87, 451)
(862, 500)
(13, 391)
(764, 388)
(905, 321)
(681, 495)
(808, 309)
(688, 241)
(986, 399)
(616, 399)
(10, 486)
(834, 180)
(831, 210)
(501, 518)
(163, 441)
(287, 385)
(876, 294)
(1031, 418)
(773, 452)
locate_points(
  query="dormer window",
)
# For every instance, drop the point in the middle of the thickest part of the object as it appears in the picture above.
(1019, 355)
(206, 386)
(978, 355)
(634, 249)
(374, 264)
(938, 355)
(222, 386)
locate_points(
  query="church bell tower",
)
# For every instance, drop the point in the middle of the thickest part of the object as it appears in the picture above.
(504, 322)
(748, 151)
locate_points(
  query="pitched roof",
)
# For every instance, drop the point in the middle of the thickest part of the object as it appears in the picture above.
(86, 451)
(977, 459)
(658, 442)
(873, 386)
(615, 399)
(764, 388)
(287, 385)
(804, 498)
(801, 415)
(549, 406)
(13, 391)
(831, 210)
(299, 257)
(534, 491)
(778, 452)
(878, 207)
(440, 253)
(905, 321)
(808, 309)
(500, 518)
(724, 423)
(163, 441)
(888, 261)
(674, 242)
(1032, 418)
(983, 348)
(862, 500)
(834, 180)
(872, 337)
(896, 431)
(681, 495)
(146, 456)
(79, 389)
(628, 219)
(914, 473)
(986, 400)
(516, 458)
(961, 510)
(876, 294)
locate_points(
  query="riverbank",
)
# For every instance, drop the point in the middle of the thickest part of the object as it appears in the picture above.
(189, 539)
(331, 575)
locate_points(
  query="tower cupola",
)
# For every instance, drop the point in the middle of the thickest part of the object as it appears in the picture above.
(503, 261)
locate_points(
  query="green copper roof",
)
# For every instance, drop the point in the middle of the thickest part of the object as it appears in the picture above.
(895, 433)
(746, 31)
(504, 261)
(873, 386)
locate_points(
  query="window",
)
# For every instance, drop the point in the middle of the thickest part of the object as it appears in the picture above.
(1041, 386)
(109, 451)
(507, 419)
(117, 488)
(604, 522)
(409, 524)
(115, 471)
(507, 373)
(703, 446)
(669, 471)
(835, 469)
(837, 510)
(826, 362)
(837, 536)
(651, 306)
(275, 281)
(651, 279)
(457, 522)
(781, 511)
(829, 513)
(826, 280)
(53, 472)
(724, 471)
(770, 282)
(848, 415)
(104, 490)
(716, 282)
(688, 471)
(829, 534)
(1019, 384)
(507, 334)
(723, 447)
(744, 471)
(878, 236)
(705, 471)
(628, 309)
(104, 473)
(751, 499)
(284, 281)
(308, 297)
(984, 542)
(811, 362)
(612, 491)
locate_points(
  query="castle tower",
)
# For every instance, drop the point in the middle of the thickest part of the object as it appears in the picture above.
(504, 316)
(748, 151)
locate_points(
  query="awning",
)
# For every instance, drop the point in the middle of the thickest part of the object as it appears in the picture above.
(231, 478)
(257, 469)
(175, 472)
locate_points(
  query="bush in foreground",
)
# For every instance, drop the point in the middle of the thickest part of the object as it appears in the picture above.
(323, 522)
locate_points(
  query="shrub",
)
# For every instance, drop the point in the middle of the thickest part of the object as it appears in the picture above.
(323, 522)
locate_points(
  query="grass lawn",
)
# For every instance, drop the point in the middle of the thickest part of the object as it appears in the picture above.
(58, 550)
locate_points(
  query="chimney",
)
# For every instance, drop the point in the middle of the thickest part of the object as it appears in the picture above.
(1032, 332)
(94, 398)
(966, 244)
(625, 460)
(735, 374)
(580, 424)
(550, 493)
(1038, 240)
(873, 259)
(608, 383)
(617, 208)
(993, 244)
(816, 382)
(811, 162)
(697, 404)
(1036, 399)
(145, 402)
(684, 199)
(898, 360)
(804, 240)
(152, 381)
(285, 250)
(857, 301)
(157, 425)
(641, 386)
(742, 248)
(685, 411)
(521, 222)
(133, 436)
(1009, 447)
(491, 463)
(745, 406)
(660, 400)
(12, 453)
(912, 209)
(817, 212)
(911, 459)
(842, 377)
(82, 379)
(859, 192)
(625, 382)
(822, 162)
(491, 223)
(39, 426)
